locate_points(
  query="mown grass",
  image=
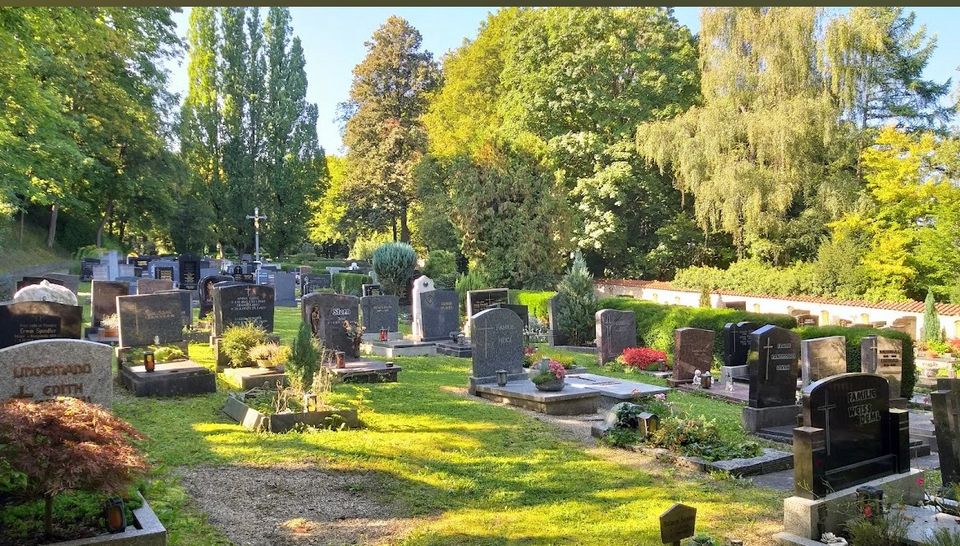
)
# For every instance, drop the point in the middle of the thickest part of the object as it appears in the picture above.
(467, 472)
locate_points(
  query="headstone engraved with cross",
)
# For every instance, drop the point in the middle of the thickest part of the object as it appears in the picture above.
(736, 342)
(497, 345)
(616, 330)
(946, 420)
(241, 303)
(773, 361)
(850, 435)
(883, 356)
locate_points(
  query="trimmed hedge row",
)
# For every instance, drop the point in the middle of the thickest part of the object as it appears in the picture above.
(349, 283)
(537, 302)
(853, 337)
(656, 322)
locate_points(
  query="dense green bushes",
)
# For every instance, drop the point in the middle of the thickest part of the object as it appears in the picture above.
(537, 302)
(656, 322)
(853, 337)
(441, 266)
(349, 283)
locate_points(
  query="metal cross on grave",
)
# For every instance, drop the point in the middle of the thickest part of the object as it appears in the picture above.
(256, 227)
(825, 408)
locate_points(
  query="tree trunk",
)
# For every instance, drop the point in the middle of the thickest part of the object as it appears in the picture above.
(404, 228)
(103, 223)
(23, 214)
(48, 514)
(394, 229)
(52, 232)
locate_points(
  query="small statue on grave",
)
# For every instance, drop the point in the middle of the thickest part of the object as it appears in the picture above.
(697, 379)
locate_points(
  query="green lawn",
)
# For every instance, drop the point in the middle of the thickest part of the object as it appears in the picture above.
(466, 472)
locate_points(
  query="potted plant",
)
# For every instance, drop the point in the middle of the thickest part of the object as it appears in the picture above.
(110, 326)
(548, 375)
(355, 334)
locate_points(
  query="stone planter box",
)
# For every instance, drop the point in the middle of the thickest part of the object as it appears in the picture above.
(239, 411)
(145, 530)
(248, 378)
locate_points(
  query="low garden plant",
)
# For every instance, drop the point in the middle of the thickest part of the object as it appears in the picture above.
(270, 355)
(238, 340)
(548, 370)
(644, 358)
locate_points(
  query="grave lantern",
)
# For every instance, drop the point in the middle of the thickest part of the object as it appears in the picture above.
(149, 361)
(383, 334)
(311, 402)
(340, 355)
(114, 516)
(870, 502)
(647, 423)
(501, 377)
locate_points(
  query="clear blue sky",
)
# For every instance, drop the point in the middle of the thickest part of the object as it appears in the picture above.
(333, 43)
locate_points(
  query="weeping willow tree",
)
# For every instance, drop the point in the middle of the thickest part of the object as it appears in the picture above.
(758, 156)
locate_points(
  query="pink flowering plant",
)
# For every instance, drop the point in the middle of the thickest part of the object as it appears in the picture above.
(548, 370)
(529, 356)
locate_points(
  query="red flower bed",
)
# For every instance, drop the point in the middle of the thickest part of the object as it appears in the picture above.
(643, 358)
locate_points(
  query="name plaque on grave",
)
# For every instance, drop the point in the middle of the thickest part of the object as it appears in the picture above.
(25, 321)
(45, 369)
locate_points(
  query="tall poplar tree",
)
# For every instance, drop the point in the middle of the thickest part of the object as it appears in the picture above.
(384, 135)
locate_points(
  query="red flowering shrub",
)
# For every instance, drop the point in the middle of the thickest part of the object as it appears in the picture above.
(643, 358)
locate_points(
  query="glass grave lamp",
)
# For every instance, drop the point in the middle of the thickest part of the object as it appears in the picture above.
(149, 361)
(113, 515)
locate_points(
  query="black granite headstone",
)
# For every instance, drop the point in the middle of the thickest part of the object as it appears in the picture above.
(189, 271)
(946, 420)
(521, 310)
(206, 292)
(150, 318)
(86, 268)
(371, 290)
(311, 282)
(163, 272)
(441, 314)
(326, 313)
(481, 300)
(242, 303)
(379, 312)
(736, 342)
(849, 435)
(773, 367)
(32, 320)
(104, 299)
(557, 335)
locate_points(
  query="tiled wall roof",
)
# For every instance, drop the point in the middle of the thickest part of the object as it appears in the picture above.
(911, 306)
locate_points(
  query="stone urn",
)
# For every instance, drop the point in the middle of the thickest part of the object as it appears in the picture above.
(550, 386)
(543, 367)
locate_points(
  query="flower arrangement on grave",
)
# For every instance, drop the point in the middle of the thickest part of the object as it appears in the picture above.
(548, 375)
(50, 448)
(110, 324)
(355, 334)
(643, 358)
(529, 356)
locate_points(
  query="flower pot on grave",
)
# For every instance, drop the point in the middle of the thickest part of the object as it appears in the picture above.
(109, 331)
(550, 386)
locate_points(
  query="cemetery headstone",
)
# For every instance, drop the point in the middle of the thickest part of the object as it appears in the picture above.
(237, 304)
(186, 304)
(497, 344)
(46, 292)
(822, 357)
(616, 330)
(164, 272)
(104, 299)
(692, 352)
(481, 300)
(946, 420)
(112, 261)
(25, 321)
(152, 286)
(283, 284)
(738, 305)
(126, 270)
(807, 320)
(379, 312)
(189, 274)
(86, 268)
(326, 313)
(311, 282)
(101, 272)
(774, 359)
(421, 285)
(677, 523)
(883, 356)
(521, 310)
(146, 319)
(557, 335)
(371, 290)
(849, 435)
(907, 325)
(48, 368)
(440, 315)
(206, 292)
(736, 342)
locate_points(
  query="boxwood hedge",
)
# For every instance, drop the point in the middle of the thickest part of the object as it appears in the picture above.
(656, 322)
(537, 302)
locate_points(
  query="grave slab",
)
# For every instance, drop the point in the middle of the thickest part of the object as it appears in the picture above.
(524, 394)
(391, 349)
(447, 348)
(169, 379)
(367, 371)
(248, 378)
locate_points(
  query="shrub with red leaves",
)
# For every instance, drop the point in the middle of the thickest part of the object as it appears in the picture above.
(643, 358)
(68, 444)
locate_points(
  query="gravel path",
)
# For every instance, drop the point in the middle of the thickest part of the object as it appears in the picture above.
(291, 505)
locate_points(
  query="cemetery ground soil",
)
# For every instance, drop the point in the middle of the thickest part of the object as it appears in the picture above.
(432, 466)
